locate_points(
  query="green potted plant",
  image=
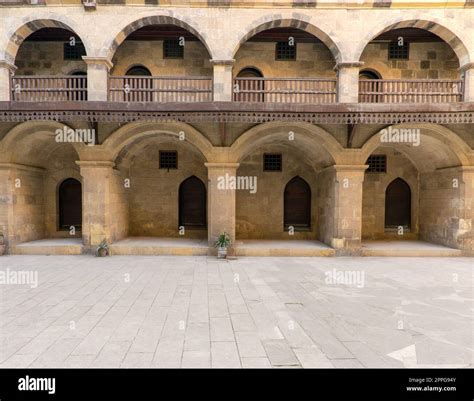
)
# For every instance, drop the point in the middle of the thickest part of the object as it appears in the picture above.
(222, 243)
(103, 249)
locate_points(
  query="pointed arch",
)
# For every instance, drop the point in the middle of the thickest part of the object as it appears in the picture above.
(398, 204)
(69, 204)
(297, 204)
(192, 203)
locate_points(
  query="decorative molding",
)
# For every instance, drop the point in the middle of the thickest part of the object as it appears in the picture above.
(459, 117)
(90, 60)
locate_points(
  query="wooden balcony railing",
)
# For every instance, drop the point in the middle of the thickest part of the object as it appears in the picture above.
(285, 90)
(410, 91)
(160, 89)
(49, 88)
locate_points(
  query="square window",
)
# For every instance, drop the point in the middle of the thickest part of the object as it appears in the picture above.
(74, 52)
(395, 51)
(168, 159)
(172, 49)
(272, 162)
(285, 51)
(377, 164)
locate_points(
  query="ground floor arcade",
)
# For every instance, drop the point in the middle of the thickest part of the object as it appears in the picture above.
(277, 189)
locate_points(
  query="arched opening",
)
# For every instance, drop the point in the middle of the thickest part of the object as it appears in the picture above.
(139, 86)
(369, 74)
(45, 60)
(398, 205)
(70, 204)
(288, 64)
(254, 82)
(418, 66)
(192, 203)
(179, 71)
(297, 204)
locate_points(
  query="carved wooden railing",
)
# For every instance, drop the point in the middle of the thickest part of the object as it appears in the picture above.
(49, 88)
(410, 91)
(160, 89)
(285, 90)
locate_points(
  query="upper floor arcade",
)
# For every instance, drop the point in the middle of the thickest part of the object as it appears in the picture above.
(167, 58)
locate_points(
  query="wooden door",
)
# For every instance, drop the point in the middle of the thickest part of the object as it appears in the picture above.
(398, 204)
(70, 204)
(192, 203)
(297, 204)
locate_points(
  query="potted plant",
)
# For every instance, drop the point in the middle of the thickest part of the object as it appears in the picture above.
(222, 243)
(103, 249)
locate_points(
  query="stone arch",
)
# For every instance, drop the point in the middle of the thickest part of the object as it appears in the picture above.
(17, 37)
(308, 137)
(436, 28)
(182, 22)
(443, 148)
(129, 133)
(20, 144)
(276, 21)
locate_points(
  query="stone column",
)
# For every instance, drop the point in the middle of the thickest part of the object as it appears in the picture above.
(6, 71)
(97, 78)
(340, 209)
(348, 82)
(222, 81)
(468, 70)
(21, 203)
(95, 202)
(220, 202)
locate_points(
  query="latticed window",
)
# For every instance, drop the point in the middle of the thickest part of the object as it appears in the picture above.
(172, 49)
(272, 162)
(377, 164)
(398, 51)
(75, 51)
(285, 51)
(168, 159)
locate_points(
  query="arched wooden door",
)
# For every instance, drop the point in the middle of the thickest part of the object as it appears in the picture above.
(297, 204)
(398, 204)
(192, 203)
(140, 85)
(70, 204)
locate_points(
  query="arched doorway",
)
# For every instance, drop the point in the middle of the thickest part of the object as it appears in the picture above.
(398, 204)
(369, 86)
(78, 87)
(192, 203)
(139, 85)
(70, 204)
(297, 204)
(252, 84)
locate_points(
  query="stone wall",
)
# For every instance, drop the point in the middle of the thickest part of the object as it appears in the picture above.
(431, 60)
(446, 208)
(45, 58)
(312, 60)
(153, 195)
(375, 185)
(260, 215)
(150, 55)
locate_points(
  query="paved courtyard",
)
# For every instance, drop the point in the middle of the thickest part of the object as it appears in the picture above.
(127, 311)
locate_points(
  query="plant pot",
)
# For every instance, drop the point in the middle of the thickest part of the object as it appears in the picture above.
(221, 252)
(102, 252)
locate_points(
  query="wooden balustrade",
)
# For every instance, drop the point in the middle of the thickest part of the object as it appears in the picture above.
(410, 91)
(49, 88)
(285, 90)
(160, 89)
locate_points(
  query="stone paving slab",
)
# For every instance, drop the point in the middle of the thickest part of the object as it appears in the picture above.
(198, 312)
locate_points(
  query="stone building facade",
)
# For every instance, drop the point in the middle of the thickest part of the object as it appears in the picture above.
(354, 123)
